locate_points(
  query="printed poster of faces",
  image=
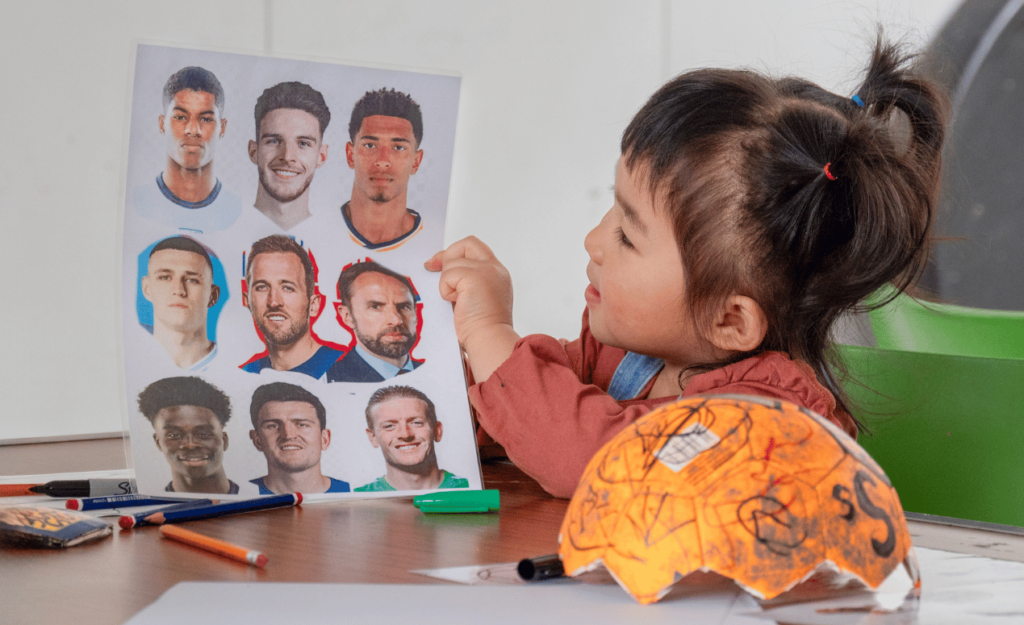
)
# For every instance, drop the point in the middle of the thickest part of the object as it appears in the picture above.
(280, 332)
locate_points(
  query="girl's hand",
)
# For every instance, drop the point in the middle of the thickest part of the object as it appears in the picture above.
(481, 290)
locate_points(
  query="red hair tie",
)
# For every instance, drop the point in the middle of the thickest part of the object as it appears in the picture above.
(828, 174)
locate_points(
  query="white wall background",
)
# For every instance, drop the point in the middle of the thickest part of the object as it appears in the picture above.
(548, 87)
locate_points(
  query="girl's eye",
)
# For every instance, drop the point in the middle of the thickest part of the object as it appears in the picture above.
(623, 239)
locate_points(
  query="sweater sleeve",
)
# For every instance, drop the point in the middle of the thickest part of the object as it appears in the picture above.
(540, 405)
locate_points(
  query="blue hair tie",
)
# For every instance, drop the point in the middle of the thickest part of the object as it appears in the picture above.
(856, 100)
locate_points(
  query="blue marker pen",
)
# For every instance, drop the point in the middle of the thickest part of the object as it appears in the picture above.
(120, 501)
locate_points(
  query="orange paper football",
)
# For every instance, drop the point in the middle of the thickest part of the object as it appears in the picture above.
(758, 490)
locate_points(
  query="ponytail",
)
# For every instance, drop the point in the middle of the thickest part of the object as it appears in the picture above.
(909, 114)
(870, 225)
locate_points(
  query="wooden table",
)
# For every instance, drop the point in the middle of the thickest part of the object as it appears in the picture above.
(376, 541)
(356, 541)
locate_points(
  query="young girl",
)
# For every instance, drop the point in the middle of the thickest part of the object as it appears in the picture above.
(749, 214)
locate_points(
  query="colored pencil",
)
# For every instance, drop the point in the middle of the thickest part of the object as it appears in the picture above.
(17, 490)
(220, 547)
(159, 517)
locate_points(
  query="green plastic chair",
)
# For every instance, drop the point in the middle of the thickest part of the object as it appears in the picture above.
(947, 429)
(909, 325)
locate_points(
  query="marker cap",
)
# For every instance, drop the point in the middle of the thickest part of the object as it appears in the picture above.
(537, 569)
(455, 501)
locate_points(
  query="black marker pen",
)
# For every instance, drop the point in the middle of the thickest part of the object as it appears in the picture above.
(86, 488)
(543, 567)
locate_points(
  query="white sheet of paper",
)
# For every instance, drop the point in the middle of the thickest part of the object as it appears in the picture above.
(213, 603)
(504, 573)
(956, 589)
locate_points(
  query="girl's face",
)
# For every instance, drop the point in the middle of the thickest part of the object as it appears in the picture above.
(637, 292)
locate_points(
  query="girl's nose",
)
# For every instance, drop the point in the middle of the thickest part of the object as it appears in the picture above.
(592, 243)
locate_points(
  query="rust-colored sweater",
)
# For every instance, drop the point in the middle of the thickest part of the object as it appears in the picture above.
(548, 404)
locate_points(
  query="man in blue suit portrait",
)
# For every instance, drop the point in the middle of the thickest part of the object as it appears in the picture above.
(379, 307)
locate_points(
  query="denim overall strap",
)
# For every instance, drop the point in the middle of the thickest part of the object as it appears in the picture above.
(632, 375)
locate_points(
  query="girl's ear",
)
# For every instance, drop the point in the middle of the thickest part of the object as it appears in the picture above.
(740, 326)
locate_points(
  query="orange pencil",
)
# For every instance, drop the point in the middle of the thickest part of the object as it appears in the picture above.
(214, 545)
(17, 490)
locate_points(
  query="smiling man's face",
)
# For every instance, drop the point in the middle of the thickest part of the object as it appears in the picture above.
(278, 298)
(289, 435)
(287, 153)
(192, 439)
(402, 430)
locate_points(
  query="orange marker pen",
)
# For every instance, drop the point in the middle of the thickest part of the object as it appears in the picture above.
(214, 545)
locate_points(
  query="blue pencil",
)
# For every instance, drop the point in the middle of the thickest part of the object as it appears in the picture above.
(160, 517)
(118, 501)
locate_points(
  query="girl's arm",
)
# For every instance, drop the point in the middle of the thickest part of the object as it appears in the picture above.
(547, 412)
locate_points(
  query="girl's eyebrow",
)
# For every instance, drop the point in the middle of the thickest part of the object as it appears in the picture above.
(631, 214)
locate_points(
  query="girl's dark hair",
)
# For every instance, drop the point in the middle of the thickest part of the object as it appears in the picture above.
(740, 157)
